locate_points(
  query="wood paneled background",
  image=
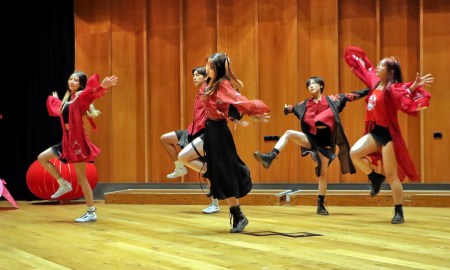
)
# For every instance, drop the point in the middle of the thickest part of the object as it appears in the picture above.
(274, 46)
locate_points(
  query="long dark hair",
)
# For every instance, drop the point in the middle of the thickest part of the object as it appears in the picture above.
(220, 63)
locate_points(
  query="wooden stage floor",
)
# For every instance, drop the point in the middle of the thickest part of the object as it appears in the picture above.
(43, 235)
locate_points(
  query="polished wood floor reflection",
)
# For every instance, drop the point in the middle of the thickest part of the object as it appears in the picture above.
(43, 235)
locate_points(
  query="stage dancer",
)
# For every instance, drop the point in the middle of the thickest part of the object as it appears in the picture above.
(383, 140)
(229, 176)
(195, 129)
(76, 147)
(321, 132)
(193, 156)
(184, 138)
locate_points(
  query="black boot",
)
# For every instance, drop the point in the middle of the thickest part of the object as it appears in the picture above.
(239, 220)
(398, 216)
(265, 159)
(376, 180)
(321, 210)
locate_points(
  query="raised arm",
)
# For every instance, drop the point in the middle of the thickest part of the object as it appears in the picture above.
(361, 66)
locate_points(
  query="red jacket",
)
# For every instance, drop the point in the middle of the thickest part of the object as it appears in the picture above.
(76, 146)
(397, 97)
(217, 105)
(199, 117)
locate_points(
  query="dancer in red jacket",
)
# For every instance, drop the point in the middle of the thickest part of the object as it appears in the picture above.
(383, 140)
(75, 146)
(229, 176)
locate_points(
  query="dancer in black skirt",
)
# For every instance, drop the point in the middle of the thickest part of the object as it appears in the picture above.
(229, 176)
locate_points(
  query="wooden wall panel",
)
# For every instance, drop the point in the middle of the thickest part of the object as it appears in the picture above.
(93, 55)
(128, 22)
(435, 60)
(164, 84)
(277, 60)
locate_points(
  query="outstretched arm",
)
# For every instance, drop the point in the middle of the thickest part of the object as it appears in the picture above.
(53, 104)
(412, 97)
(95, 90)
(361, 66)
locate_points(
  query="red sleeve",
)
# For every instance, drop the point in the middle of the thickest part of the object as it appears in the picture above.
(92, 91)
(361, 66)
(53, 105)
(250, 107)
(407, 101)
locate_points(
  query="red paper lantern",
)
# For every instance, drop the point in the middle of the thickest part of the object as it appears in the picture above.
(43, 185)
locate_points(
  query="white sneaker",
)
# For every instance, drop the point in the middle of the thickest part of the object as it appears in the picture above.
(178, 172)
(64, 188)
(212, 208)
(88, 217)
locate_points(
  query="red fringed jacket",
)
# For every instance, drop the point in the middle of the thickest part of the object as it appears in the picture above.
(397, 97)
(76, 146)
(217, 105)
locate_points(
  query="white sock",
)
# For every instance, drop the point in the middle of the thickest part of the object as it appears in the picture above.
(178, 164)
(215, 202)
(91, 209)
(61, 181)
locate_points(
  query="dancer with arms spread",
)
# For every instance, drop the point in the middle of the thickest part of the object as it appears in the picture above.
(76, 147)
(383, 140)
(321, 132)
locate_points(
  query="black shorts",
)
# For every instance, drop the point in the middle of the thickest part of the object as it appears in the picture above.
(381, 135)
(323, 137)
(184, 138)
(57, 150)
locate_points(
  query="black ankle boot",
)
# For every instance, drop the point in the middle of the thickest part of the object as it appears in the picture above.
(376, 180)
(265, 159)
(398, 216)
(321, 210)
(239, 220)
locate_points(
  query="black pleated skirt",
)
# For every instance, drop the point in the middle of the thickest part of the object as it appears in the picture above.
(229, 175)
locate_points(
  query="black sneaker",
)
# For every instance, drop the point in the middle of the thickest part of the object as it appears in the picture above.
(398, 218)
(376, 179)
(264, 159)
(321, 210)
(239, 224)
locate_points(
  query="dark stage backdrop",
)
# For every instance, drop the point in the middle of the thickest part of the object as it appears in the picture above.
(38, 56)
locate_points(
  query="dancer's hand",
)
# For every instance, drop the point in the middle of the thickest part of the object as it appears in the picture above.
(261, 117)
(239, 122)
(426, 80)
(55, 94)
(109, 81)
(287, 109)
